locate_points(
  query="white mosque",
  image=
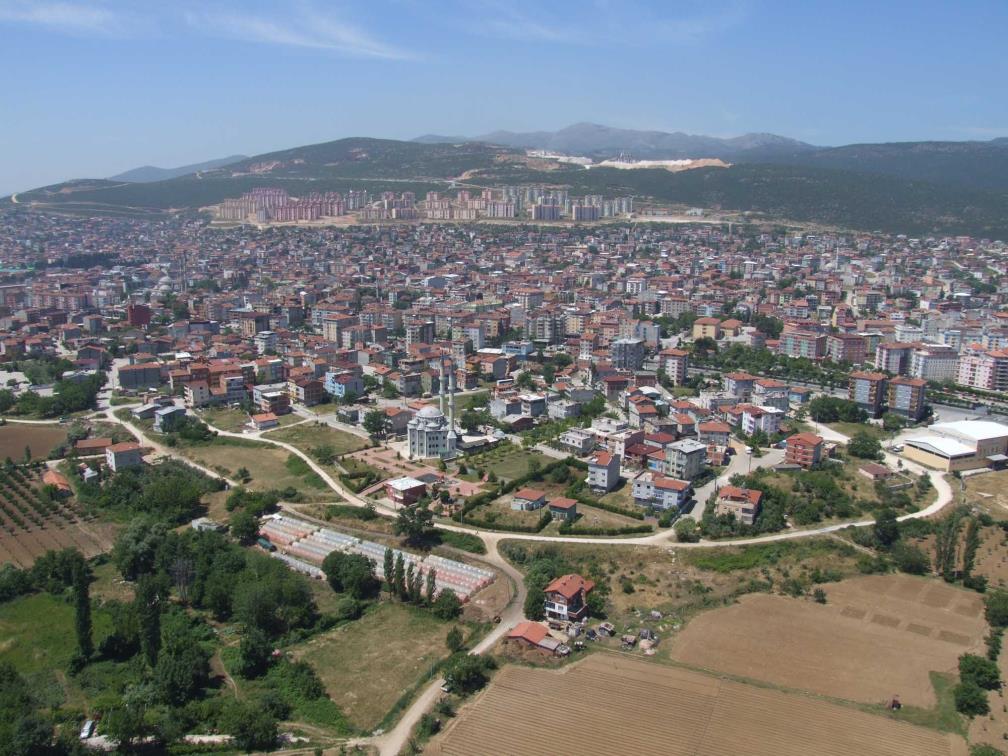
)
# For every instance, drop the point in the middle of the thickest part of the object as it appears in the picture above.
(430, 433)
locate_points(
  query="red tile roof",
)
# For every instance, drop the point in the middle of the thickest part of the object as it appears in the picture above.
(569, 586)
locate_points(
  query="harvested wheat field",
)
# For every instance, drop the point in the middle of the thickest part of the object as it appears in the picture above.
(613, 704)
(877, 637)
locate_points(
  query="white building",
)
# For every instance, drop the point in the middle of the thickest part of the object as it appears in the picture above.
(430, 433)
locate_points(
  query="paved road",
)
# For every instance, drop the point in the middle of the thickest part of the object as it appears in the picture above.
(394, 741)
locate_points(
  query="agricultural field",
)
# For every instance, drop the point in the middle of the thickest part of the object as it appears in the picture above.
(396, 645)
(35, 519)
(42, 439)
(636, 707)
(308, 436)
(270, 467)
(877, 637)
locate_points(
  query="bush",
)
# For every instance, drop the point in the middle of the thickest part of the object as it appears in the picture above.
(970, 699)
(979, 670)
(996, 608)
(911, 559)
(687, 530)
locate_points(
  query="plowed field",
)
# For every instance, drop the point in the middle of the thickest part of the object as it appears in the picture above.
(616, 705)
(877, 637)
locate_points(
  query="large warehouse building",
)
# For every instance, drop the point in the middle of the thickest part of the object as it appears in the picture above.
(962, 445)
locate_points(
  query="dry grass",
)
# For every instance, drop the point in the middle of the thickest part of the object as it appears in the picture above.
(307, 436)
(366, 665)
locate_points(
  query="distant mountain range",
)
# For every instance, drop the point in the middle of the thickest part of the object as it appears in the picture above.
(981, 165)
(593, 140)
(147, 173)
(917, 188)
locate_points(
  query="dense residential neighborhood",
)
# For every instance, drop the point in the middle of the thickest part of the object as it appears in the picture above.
(386, 404)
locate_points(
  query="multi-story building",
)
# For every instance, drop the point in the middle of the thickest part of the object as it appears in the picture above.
(651, 489)
(894, 357)
(685, 459)
(603, 471)
(868, 391)
(805, 344)
(846, 347)
(907, 396)
(707, 328)
(567, 598)
(739, 385)
(804, 449)
(933, 362)
(767, 392)
(983, 369)
(675, 363)
(627, 354)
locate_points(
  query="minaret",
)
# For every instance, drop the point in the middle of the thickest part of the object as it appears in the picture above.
(441, 387)
(451, 397)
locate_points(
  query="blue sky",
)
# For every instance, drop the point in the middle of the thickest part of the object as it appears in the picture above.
(94, 87)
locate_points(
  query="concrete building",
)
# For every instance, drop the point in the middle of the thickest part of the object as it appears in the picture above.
(907, 397)
(627, 354)
(742, 503)
(685, 459)
(868, 391)
(123, 456)
(962, 445)
(603, 471)
(804, 449)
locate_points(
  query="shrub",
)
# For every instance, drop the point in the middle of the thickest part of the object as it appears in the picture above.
(979, 670)
(970, 699)
(909, 558)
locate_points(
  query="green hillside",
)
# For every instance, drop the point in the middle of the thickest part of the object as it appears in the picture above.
(807, 193)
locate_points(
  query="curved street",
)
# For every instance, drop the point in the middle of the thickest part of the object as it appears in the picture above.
(393, 741)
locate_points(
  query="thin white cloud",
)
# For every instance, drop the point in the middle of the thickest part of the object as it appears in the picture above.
(603, 22)
(88, 18)
(306, 27)
(505, 20)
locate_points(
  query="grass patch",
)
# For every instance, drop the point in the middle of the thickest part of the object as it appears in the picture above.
(943, 716)
(850, 429)
(506, 461)
(307, 436)
(225, 418)
(37, 636)
(269, 466)
(762, 555)
(464, 541)
(384, 653)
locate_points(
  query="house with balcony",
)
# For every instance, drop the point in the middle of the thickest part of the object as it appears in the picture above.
(567, 598)
(603, 471)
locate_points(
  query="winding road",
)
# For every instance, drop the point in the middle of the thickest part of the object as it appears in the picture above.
(395, 740)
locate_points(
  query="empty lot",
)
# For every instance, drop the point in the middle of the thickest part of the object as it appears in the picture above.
(877, 637)
(613, 704)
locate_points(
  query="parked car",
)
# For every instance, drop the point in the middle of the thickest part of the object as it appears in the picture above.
(87, 730)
